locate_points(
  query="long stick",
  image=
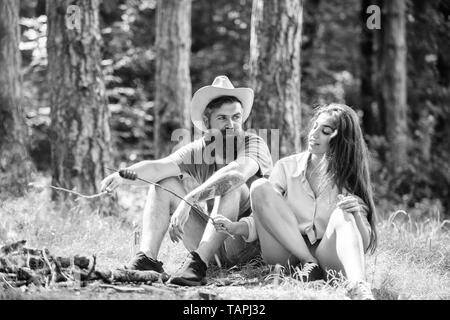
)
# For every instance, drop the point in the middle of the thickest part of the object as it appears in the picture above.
(70, 191)
(196, 209)
(79, 194)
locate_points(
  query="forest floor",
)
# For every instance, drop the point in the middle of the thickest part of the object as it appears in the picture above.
(412, 260)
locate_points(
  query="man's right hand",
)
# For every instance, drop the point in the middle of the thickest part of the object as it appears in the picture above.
(111, 183)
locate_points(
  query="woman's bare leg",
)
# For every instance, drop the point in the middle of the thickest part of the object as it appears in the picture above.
(277, 226)
(341, 248)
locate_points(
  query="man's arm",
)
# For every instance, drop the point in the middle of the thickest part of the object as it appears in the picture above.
(153, 171)
(225, 180)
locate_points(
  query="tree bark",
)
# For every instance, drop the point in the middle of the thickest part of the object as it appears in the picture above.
(15, 164)
(393, 81)
(275, 69)
(172, 80)
(81, 139)
(371, 118)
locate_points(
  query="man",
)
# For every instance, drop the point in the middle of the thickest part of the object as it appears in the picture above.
(224, 174)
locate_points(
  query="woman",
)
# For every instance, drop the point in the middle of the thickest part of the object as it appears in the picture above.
(317, 208)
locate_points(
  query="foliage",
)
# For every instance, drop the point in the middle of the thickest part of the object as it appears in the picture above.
(331, 69)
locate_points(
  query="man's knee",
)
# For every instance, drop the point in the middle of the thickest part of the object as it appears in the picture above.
(173, 184)
(260, 191)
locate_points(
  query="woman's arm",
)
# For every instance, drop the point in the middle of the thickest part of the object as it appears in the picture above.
(244, 227)
(356, 206)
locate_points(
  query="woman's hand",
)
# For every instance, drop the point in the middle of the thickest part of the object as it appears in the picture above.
(349, 204)
(225, 225)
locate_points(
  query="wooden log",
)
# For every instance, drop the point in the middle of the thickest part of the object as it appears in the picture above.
(8, 276)
(27, 261)
(85, 275)
(7, 249)
(80, 262)
(5, 265)
(38, 262)
(54, 266)
(128, 276)
(28, 275)
(32, 251)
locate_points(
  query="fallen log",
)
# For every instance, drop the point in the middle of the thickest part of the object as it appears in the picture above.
(80, 262)
(32, 262)
(28, 275)
(8, 276)
(7, 249)
(55, 267)
(5, 265)
(122, 275)
(85, 275)
(42, 268)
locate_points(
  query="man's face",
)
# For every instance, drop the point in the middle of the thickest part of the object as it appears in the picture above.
(226, 122)
(227, 119)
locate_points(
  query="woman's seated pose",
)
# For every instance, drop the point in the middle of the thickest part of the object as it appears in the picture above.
(317, 211)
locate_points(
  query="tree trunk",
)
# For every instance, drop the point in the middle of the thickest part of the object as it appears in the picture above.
(275, 69)
(371, 118)
(81, 139)
(394, 81)
(173, 81)
(15, 164)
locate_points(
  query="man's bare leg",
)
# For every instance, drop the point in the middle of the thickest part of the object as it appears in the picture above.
(156, 218)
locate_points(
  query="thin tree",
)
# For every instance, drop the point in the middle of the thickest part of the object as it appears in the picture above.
(275, 69)
(369, 40)
(81, 139)
(393, 81)
(15, 164)
(172, 80)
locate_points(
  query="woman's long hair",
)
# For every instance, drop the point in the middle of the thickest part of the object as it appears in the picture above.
(348, 159)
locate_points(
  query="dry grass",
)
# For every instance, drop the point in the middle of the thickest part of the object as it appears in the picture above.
(412, 261)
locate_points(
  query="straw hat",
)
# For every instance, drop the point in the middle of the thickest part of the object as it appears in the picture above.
(221, 86)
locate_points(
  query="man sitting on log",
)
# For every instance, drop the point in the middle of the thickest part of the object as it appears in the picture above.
(225, 161)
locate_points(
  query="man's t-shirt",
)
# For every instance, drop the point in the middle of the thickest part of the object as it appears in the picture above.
(195, 158)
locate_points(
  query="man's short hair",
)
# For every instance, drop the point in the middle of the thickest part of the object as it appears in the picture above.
(217, 103)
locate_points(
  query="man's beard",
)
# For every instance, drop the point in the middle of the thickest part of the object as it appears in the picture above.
(230, 145)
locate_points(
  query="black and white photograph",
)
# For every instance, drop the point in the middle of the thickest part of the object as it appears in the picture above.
(224, 155)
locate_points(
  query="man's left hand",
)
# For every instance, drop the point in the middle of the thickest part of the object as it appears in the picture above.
(178, 220)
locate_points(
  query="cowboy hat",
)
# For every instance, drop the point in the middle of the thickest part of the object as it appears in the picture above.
(221, 86)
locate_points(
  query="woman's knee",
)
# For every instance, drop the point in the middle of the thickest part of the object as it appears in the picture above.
(340, 218)
(260, 190)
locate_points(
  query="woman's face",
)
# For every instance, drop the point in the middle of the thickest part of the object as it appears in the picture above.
(321, 134)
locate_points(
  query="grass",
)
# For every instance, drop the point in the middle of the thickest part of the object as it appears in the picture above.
(411, 262)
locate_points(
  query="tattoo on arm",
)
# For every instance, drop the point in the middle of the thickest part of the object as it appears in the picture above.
(218, 186)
